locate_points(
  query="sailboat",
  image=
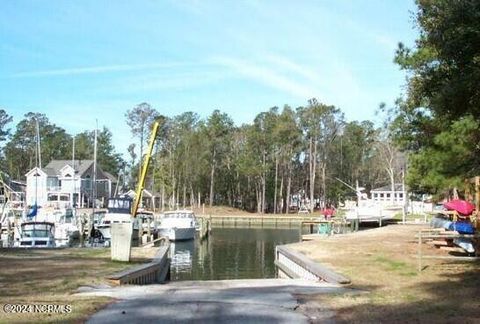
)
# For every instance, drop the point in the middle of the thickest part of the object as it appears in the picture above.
(35, 233)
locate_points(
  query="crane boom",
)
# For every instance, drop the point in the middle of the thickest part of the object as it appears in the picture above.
(146, 163)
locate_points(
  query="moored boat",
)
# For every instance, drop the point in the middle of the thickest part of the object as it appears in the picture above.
(178, 225)
(37, 235)
(118, 211)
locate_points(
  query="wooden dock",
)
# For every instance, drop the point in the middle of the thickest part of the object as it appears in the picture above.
(279, 220)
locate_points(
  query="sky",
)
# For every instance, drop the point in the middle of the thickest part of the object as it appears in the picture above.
(82, 61)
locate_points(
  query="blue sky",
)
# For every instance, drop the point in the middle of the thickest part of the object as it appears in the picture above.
(78, 61)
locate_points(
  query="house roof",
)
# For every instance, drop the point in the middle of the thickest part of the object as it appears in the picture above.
(398, 187)
(53, 168)
(110, 176)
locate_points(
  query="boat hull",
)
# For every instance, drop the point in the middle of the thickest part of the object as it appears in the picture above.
(178, 233)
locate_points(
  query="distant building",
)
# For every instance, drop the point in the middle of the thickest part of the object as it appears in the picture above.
(149, 201)
(59, 184)
(386, 195)
(12, 191)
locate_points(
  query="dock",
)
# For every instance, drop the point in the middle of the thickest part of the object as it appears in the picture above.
(256, 220)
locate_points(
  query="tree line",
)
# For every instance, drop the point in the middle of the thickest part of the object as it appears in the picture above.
(285, 157)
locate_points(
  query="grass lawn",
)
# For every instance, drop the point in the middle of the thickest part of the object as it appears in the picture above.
(381, 264)
(51, 276)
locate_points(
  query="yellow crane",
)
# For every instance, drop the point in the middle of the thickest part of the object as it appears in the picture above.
(143, 174)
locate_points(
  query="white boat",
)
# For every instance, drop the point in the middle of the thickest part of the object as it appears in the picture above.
(37, 235)
(147, 219)
(118, 211)
(178, 225)
(369, 211)
(66, 229)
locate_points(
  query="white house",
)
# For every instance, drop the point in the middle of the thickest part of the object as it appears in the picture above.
(386, 195)
(59, 184)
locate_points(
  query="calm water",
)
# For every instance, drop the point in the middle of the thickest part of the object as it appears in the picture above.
(230, 253)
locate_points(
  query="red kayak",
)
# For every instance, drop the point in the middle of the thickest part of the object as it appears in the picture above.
(461, 206)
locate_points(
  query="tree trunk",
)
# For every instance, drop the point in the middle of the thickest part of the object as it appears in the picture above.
(192, 197)
(177, 198)
(289, 183)
(313, 168)
(392, 183)
(275, 191)
(281, 195)
(212, 175)
(184, 195)
(324, 183)
(264, 175)
(163, 197)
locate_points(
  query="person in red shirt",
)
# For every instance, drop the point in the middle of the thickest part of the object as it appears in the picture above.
(328, 212)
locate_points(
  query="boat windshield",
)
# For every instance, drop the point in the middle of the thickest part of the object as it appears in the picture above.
(119, 205)
(36, 233)
(36, 230)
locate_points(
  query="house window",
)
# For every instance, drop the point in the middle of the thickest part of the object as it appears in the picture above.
(88, 182)
(68, 175)
(65, 198)
(388, 195)
(52, 182)
(52, 197)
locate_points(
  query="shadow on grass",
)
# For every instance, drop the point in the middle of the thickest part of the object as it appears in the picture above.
(453, 299)
(26, 273)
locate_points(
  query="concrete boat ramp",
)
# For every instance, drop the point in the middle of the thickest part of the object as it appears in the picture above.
(223, 301)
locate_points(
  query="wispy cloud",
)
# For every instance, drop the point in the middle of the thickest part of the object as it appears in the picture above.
(268, 76)
(98, 69)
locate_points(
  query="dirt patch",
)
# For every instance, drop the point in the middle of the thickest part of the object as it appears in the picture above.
(383, 262)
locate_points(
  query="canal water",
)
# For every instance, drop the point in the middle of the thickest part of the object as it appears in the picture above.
(230, 253)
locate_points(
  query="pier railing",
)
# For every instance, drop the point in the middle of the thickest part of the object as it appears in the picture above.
(296, 265)
(156, 271)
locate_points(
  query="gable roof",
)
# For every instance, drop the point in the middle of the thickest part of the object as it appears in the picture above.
(34, 170)
(81, 166)
(110, 176)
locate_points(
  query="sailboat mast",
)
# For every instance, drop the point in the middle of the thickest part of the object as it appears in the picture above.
(73, 177)
(95, 167)
(38, 146)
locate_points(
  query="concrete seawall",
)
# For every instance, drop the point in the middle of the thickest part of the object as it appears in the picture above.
(292, 264)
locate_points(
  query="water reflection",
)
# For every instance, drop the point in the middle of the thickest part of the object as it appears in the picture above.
(230, 253)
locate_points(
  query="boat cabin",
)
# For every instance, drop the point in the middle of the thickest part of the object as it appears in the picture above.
(119, 205)
(37, 234)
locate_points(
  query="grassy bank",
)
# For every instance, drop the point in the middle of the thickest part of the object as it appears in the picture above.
(52, 276)
(382, 265)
